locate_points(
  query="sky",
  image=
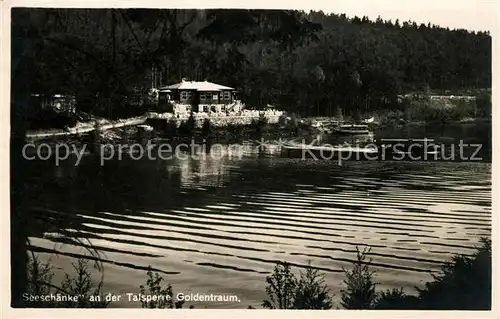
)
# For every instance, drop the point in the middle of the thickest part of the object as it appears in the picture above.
(478, 15)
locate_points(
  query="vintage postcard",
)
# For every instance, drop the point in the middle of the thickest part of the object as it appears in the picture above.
(251, 158)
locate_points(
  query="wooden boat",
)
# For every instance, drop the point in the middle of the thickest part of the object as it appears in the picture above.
(352, 129)
(410, 150)
(330, 152)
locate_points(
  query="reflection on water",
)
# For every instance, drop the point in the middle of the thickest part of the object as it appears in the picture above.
(217, 224)
(201, 172)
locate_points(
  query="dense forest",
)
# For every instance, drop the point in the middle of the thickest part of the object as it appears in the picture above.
(309, 63)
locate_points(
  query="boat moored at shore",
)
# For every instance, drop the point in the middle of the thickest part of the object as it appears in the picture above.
(411, 150)
(352, 129)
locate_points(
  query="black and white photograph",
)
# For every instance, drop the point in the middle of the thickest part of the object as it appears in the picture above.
(252, 159)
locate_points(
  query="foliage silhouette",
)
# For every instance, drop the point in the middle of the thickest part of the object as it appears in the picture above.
(207, 129)
(286, 291)
(187, 127)
(395, 299)
(40, 283)
(312, 291)
(359, 291)
(464, 283)
(154, 287)
(280, 289)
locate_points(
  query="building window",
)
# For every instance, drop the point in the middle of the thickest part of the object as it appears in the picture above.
(202, 96)
(227, 95)
(184, 95)
(208, 95)
(215, 96)
(190, 94)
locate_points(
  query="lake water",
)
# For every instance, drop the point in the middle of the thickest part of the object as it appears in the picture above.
(219, 225)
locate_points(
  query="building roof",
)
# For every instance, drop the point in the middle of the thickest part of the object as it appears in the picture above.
(198, 86)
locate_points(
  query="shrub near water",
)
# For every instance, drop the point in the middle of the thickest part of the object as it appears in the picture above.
(39, 279)
(207, 129)
(154, 287)
(281, 287)
(81, 285)
(187, 127)
(260, 124)
(464, 283)
(40, 282)
(171, 128)
(359, 291)
(312, 292)
(395, 299)
(285, 291)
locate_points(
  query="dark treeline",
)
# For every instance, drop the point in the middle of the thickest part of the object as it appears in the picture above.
(310, 63)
